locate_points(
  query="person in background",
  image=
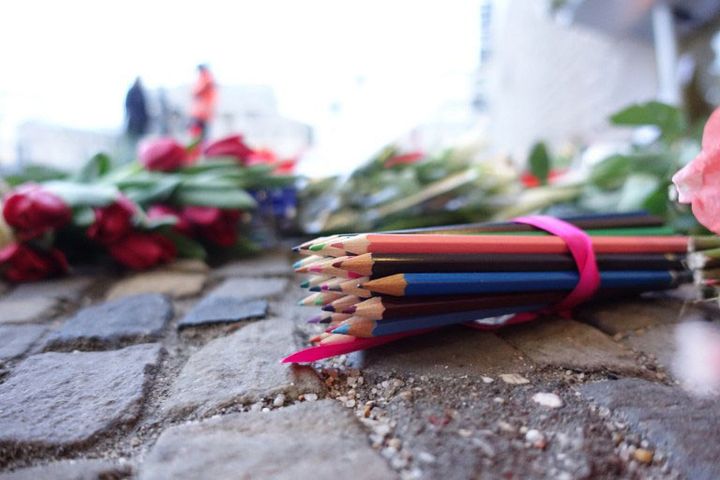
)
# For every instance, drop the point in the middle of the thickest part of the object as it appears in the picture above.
(136, 114)
(203, 105)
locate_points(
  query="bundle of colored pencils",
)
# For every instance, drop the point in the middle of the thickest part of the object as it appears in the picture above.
(379, 285)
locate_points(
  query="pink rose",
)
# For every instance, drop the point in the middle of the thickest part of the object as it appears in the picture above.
(698, 183)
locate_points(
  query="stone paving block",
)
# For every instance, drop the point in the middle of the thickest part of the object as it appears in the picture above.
(214, 309)
(267, 266)
(632, 314)
(250, 288)
(451, 351)
(657, 342)
(242, 368)
(58, 400)
(166, 281)
(17, 339)
(318, 440)
(685, 428)
(139, 318)
(564, 343)
(82, 469)
(68, 288)
(24, 311)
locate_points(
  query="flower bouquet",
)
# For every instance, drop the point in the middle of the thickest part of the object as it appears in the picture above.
(175, 201)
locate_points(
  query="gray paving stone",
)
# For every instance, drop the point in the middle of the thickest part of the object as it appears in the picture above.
(569, 344)
(251, 288)
(174, 281)
(241, 368)
(453, 351)
(68, 288)
(83, 469)
(318, 440)
(267, 266)
(139, 318)
(634, 314)
(57, 400)
(656, 342)
(684, 427)
(20, 310)
(215, 309)
(17, 339)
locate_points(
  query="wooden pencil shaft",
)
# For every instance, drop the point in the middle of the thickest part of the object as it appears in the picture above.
(427, 284)
(433, 321)
(388, 264)
(455, 244)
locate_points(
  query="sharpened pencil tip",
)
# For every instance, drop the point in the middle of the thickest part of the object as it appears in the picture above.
(315, 289)
(297, 264)
(328, 308)
(316, 247)
(315, 319)
(296, 248)
(305, 284)
(337, 245)
(337, 264)
(342, 329)
(351, 309)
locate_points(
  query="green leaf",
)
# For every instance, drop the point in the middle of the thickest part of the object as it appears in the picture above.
(670, 120)
(83, 217)
(611, 172)
(539, 162)
(83, 194)
(186, 247)
(35, 173)
(95, 168)
(155, 191)
(234, 198)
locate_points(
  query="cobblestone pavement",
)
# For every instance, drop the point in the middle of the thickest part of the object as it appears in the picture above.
(176, 374)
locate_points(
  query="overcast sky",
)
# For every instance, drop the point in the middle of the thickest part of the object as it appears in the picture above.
(70, 62)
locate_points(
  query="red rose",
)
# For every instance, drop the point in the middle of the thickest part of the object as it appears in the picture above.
(142, 250)
(163, 154)
(112, 222)
(213, 224)
(182, 225)
(25, 264)
(33, 211)
(232, 146)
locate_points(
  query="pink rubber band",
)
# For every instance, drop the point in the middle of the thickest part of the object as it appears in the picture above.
(580, 245)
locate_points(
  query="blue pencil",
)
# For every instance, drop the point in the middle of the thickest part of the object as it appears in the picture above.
(423, 284)
(364, 327)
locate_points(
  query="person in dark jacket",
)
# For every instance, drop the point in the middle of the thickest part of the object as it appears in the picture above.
(136, 111)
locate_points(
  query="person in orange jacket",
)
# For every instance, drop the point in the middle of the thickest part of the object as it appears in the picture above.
(203, 105)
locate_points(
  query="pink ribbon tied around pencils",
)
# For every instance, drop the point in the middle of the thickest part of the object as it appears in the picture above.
(580, 245)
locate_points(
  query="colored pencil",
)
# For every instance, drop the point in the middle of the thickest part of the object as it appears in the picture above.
(329, 285)
(362, 327)
(421, 284)
(383, 243)
(319, 299)
(340, 304)
(381, 265)
(327, 317)
(350, 287)
(315, 280)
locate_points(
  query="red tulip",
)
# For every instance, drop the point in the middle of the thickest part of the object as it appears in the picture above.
(142, 250)
(22, 263)
(232, 146)
(162, 154)
(182, 225)
(112, 222)
(33, 211)
(213, 224)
